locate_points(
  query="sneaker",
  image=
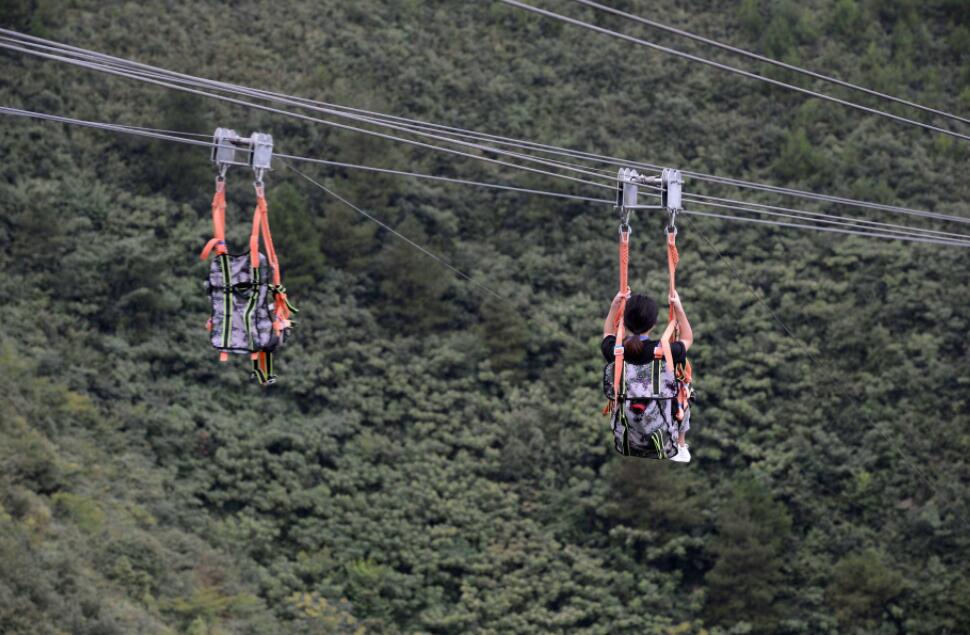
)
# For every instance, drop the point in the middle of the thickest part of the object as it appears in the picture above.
(683, 454)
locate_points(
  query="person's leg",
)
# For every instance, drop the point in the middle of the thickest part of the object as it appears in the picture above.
(683, 454)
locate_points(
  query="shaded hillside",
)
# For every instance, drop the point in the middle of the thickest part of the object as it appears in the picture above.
(433, 459)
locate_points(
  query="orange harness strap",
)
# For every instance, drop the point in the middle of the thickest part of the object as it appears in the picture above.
(218, 241)
(685, 376)
(672, 259)
(618, 319)
(283, 309)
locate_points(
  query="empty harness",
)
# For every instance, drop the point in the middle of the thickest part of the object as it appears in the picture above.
(250, 310)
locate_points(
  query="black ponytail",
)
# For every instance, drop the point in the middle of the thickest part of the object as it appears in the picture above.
(633, 346)
(639, 317)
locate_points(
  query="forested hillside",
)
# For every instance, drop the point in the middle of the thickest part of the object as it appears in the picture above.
(433, 459)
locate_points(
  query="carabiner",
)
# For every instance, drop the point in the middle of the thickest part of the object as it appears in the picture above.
(672, 222)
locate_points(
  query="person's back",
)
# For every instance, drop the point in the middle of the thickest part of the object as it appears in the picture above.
(642, 363)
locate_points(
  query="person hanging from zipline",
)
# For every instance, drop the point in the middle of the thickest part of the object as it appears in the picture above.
(648, 382)
(640, 354)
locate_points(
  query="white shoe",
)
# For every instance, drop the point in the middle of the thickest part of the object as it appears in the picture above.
(683, 454)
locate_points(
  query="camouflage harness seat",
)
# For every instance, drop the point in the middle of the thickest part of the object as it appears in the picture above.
(642, 418)
(250, 310)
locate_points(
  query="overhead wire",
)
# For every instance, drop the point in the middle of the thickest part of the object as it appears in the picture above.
(767, 60)
(448, 179)
(824, 198)
(732, 69)
(414, 125)
(844, 222)
(132, 130)
(836, 230)
(702, 199)
(153, 134)
(175, 85)
(759, 295)
(165, 135)
(100, 61)
(440, 260)
(899, 233)
(41, 43)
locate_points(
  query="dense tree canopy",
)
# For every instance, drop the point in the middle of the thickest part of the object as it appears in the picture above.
(433, 459)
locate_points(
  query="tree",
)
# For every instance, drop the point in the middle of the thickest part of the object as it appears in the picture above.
(412, 285)
(752, 532)
(862, 586)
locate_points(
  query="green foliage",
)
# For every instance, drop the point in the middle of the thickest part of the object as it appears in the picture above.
(326, 616)
(862, 588)
(412, 291)
(433, 459)
(752, 534)
(506, 335)
(799, 160)
(847, 20)
(83, 511)
(295, 234)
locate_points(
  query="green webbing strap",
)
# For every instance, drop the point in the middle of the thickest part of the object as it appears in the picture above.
(258, 372)
(657, 443)
(227, 299)
(250, 307)
(626, 433)
(267, 377)
(278, 288)
(621, 412)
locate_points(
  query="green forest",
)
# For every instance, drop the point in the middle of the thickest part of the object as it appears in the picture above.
(434, 458)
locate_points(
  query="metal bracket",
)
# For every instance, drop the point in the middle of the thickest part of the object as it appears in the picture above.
(226, 150)
(255, 151)
(626, 188)
(672, 183)
(261, 151)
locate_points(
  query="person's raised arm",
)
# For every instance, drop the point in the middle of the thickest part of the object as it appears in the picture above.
(686, 334)
(611, 316)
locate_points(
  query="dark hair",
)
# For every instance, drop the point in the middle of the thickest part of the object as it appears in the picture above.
(639, 317)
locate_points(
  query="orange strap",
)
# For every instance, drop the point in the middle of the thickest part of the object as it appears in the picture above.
(261, 227)
(672, 259)
(686, 374)
(218, 241)
(618, 318)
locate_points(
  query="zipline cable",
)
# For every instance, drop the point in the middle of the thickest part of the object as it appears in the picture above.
(144, 132)
(826, 198)
(132, 130)
(767, 60)
(334, 124)
(732, 69)
(101, 62)
(447, 179)
(581, 155)
(41, 43)
(150, 133)
(808, 351)
(787, 212)
(761, 221)
(393, 231)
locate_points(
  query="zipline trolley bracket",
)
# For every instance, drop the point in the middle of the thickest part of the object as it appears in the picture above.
(670, 196)
(628, 181)
(255, 151)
